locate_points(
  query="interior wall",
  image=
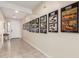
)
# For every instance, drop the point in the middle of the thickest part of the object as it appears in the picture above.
(1, 28)
(59, 44)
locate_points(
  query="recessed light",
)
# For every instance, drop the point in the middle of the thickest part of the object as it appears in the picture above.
(16, 11)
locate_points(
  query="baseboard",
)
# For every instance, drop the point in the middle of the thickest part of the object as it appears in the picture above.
(15, 38)
(37, 49)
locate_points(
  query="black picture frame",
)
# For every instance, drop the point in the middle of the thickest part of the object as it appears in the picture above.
(53, 21)
(27, 26)
(43, 24)
(30, 26)
(24, 26)
(34, 25)
(69, 20)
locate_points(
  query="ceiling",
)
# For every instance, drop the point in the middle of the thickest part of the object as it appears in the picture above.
(18, 9)
(26, 4)
(13, 14)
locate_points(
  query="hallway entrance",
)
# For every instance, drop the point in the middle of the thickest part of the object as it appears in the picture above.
(14, 29)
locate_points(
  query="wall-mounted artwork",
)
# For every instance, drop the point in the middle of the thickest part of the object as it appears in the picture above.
(53, 21)
(43, 24)
(27, 26)
(24, 27)
(30, 26)
(69, 18)
(34, 25)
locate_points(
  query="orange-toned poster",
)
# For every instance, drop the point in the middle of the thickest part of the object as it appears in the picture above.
(69, 18)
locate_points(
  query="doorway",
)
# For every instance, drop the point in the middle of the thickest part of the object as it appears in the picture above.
(14, 29)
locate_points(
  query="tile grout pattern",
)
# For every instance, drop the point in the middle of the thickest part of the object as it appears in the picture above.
(17, 48)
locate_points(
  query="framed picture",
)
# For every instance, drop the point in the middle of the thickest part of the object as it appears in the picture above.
(69, 18)
(24, 27)
(53, 21)
(27, 26)
(30, 26)
(43, 24)
(34, 25)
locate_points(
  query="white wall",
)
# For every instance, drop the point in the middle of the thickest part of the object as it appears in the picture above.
(53, 44)
(1, 28)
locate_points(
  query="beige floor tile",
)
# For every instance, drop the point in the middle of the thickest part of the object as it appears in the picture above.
(17, 48)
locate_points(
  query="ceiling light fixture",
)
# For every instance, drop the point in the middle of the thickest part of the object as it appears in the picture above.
(16, 11)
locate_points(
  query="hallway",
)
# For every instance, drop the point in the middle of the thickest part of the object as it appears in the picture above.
(17, 48)
(39, 29)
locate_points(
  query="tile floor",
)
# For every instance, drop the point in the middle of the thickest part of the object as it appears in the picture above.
(17, 48)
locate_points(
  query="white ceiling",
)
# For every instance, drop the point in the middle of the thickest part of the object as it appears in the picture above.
(11, 14)
(26, 4)
(24, 8)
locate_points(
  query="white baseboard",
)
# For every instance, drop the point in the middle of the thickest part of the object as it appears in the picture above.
(16, 38)
(37, 49)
